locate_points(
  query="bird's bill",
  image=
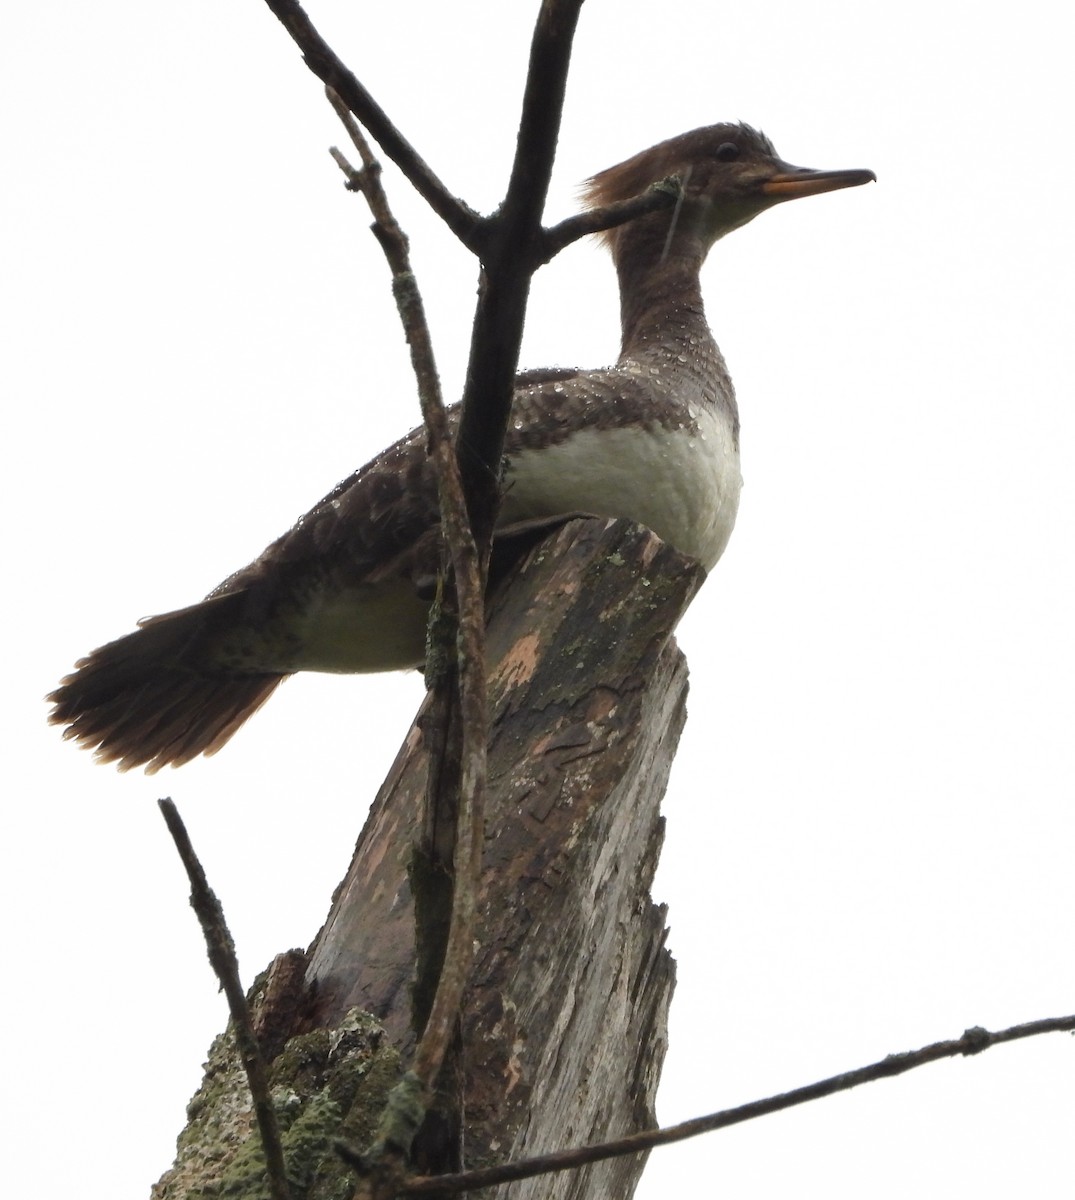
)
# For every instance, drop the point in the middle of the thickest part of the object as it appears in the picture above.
(791, 183)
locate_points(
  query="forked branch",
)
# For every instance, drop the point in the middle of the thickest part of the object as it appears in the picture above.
(508, 263)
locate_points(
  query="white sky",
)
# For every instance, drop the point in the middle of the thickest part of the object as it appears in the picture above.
(870, 820)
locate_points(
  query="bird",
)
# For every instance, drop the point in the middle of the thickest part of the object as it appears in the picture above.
(654, 438)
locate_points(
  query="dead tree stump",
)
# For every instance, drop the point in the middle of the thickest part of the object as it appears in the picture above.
(565, 1026)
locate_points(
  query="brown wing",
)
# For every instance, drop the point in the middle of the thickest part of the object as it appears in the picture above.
(183, 682)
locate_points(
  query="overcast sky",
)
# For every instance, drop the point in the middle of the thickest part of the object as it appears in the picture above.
(870, 820)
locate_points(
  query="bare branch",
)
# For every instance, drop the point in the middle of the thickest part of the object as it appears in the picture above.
(973, 1041)
(539, 123)
(460, 218)
(508, 265)
(221, 950)
(470, 640)
(597, 220)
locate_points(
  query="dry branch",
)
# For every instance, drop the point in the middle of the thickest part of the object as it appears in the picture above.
(973, 1041)
(459, 807)
(222, 958)
(330, 69)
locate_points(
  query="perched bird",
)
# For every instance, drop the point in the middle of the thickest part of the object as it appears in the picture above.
(654, 438)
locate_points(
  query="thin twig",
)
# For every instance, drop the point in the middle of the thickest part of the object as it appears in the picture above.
(973, 1041)
(597, 220)
(447, 1002)
(462, 220)
(221, 950)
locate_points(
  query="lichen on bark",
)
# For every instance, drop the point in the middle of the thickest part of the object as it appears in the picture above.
(327, 1085)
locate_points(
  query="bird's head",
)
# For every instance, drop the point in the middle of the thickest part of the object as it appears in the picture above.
(727, 175)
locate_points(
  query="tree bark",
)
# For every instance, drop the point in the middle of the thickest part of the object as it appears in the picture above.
(565, 1027)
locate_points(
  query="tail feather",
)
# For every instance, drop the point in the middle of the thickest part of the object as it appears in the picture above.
(153, 699)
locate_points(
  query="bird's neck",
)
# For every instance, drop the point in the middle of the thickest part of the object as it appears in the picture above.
(661, 309)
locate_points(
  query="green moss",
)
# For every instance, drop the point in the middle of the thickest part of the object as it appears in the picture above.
(327, 1085)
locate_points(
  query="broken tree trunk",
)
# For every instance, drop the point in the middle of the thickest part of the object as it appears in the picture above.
(564, 1031)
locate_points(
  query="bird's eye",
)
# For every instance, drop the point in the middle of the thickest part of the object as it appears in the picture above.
(727, 152)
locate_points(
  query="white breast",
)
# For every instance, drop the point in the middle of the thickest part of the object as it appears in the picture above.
(683, 484)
